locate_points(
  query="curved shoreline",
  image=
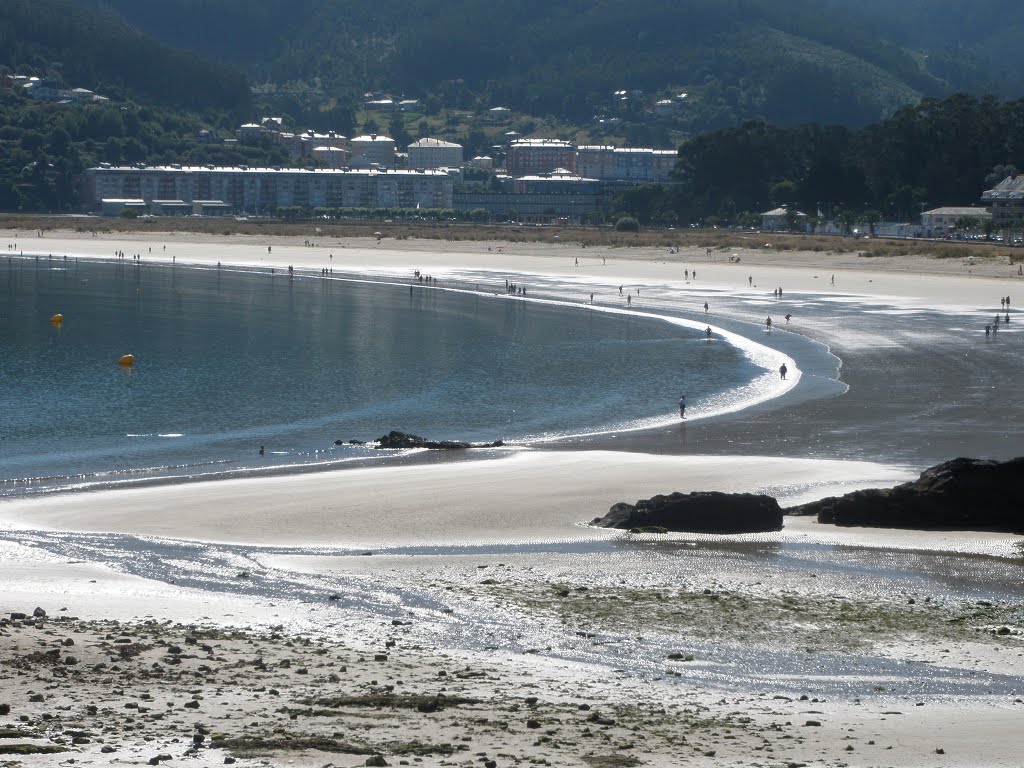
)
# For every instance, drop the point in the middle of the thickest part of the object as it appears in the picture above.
(759, 392)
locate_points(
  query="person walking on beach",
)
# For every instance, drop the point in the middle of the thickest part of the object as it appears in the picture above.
(768, 324)
(750, 279)
(705, 307)
(833, 279)
(707, 333)
(682, 407)
(782, 371)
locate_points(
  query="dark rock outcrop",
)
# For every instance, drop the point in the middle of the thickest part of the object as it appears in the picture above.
(701, 512)
(402, 440)
(962, 494)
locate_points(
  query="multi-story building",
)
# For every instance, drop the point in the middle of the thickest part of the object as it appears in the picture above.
(535, 156)
(373, 151)
(625, 163)
(595, 161)
(540, 199)
(1006, 201)
(641, 164)
(331, 157)
(941, 221)
(256, 190)
(434, 153)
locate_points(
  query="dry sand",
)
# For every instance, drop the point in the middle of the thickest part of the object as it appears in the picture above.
(199, 677)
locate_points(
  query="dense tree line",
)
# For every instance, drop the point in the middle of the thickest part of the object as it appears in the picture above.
(939, 153)
(91, 48)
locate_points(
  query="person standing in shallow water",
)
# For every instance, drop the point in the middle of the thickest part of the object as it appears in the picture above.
(682, 407)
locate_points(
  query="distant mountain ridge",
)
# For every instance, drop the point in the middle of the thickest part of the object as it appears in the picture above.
(785, 61)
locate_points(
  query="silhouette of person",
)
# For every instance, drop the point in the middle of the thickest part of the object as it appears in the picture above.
(782, 371)
(682, 407)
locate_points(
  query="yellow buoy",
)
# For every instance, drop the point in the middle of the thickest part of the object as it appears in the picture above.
(57, 319)
(127, 360)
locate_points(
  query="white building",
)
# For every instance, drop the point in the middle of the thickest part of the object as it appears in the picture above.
(331, 157)
(258, 190)
(941, 221)
(782, 220)
(373, 151)
(434, 153)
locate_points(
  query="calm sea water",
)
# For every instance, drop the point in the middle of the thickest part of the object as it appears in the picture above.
(229, 360)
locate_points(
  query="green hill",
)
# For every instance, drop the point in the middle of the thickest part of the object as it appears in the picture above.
(87, 47)
(788, 61)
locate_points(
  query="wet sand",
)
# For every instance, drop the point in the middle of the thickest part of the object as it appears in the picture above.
(692, 650)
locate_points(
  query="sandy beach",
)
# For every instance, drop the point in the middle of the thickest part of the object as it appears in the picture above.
(436, 612)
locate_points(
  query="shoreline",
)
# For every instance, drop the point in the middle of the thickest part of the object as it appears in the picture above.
(363, 585)
(760, 391)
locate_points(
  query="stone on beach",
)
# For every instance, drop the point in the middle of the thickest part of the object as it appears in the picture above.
(700, 512)
(395, 439)
(961, 494)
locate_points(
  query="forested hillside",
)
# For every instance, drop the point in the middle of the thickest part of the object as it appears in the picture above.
(785, 61)
(88, 48)
(968, 42)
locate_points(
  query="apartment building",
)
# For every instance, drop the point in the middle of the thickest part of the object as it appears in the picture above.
(1006, 201)
(536, 156)
(371, 151)
(257, 190)
(434, 153)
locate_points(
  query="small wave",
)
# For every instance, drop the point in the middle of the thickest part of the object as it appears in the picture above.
(111, 473)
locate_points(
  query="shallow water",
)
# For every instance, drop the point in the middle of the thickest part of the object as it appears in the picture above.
(227, 361)
(434, 592)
